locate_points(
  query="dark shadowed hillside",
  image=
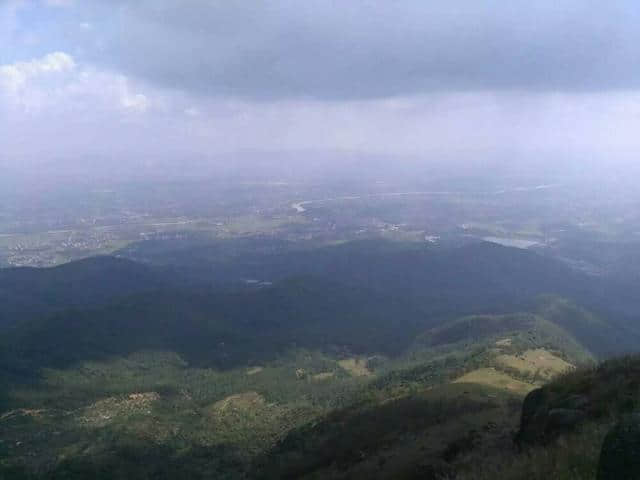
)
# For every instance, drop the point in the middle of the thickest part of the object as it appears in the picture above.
(472, 276)
(85, 283)
(221, 329)
(361, 360)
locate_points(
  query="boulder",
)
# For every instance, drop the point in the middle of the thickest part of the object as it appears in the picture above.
(577, 402)
(620, 454)
(544, 417)
(559, 419)
(532, 420)
(531, 405)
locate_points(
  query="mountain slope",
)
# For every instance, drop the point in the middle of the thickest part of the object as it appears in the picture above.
(271, 408)
(364, 360)
(471, 278)
(564, 425)
(25, 291)
(222, 329)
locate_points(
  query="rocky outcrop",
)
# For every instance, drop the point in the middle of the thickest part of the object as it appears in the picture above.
(620, 454)
(531, 424)
(544, 416)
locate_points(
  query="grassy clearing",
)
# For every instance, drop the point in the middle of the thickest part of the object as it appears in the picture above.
(323, 376)
(104, 412)
(356, 367)
(538, 362)
(611, 390)
(241, 401)
(491, 377)
(157, 397)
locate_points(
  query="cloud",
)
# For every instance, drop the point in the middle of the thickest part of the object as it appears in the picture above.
(361, 49)
(73, 108)
(55, 84)
(403, 77)
(330, 49)
(15, 76)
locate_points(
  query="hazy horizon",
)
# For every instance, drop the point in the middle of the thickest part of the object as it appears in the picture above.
(134, 84)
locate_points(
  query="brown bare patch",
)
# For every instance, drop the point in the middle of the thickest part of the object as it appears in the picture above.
(107, 410)
(539, 361)
(246, 401)
(23, 412)
(357, 367)
(493, 378)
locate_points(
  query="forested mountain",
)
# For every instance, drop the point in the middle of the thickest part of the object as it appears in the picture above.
(367, 359)
(25, 291)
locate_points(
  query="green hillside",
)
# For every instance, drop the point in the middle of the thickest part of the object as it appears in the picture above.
(27, 292)
(219, 329)
(280, 415)
(350, 369)
(594, 399)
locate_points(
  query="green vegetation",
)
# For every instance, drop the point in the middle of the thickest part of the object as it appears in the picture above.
(224, 330)
(98, 415)
(374, 360)
(573, 457)
(161, 401)
(394, 439)
(604, 394)
(28, 292)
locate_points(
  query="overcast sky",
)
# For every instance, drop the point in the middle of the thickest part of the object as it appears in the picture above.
(174, 77)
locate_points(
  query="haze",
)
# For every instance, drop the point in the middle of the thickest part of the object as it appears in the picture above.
(268, 239)
(114, 87)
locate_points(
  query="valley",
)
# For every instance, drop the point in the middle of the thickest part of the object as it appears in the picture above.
(415, 362)
(80, 220)
(319, 240)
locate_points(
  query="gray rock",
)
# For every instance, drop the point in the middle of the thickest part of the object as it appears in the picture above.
(543, 419)
(532, 403)
(576, 402)
(531, 421)
(620, 454)
(563, 418)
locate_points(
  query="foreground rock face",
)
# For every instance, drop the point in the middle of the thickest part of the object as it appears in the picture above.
(544, 418)
(563, 418)
(531, 422)
(620, 455)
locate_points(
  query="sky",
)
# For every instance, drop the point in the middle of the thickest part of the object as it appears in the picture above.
(125, 79)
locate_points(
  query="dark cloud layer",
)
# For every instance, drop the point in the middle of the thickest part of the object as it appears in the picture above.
(336, 49)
